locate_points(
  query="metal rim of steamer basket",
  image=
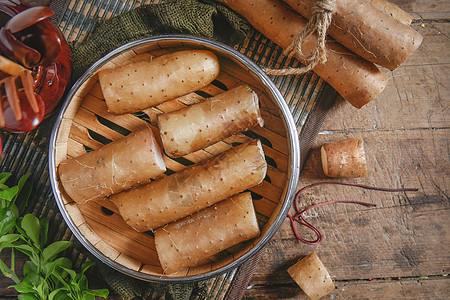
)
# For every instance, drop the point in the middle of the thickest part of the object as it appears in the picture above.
(292, 136)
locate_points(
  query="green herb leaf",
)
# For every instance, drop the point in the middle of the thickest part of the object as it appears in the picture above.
(72, 273)
(54, 294)
(7, 272)
(87, 296)
(4, 176)
(86, 266)
(23, 287)
(7, 220)
(44, 230)
(10, 238)
(30, 224)
(25, 249)
(29, 268)
(24, 193)
(10, 193)
(99, 293)
(53, 249)
(27, 297)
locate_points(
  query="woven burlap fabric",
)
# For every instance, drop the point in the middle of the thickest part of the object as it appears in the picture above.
(200, 18)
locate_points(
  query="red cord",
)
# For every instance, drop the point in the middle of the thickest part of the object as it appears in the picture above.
(301, 220)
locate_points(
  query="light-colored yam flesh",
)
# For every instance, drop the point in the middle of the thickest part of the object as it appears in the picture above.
(344, 159)
(196, 187)
(367, 31)
(203, 124)
(112, 168)
(354, 78)
(136, 86)
(312, 276)
(189, 241)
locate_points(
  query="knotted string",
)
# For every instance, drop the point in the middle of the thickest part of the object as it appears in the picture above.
(322, 12)
(301, 220)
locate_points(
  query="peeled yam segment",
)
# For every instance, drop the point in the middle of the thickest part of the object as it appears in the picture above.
(312, 276)
(188, 241)
(136, 86)
(112, 168)
(196, 187)
(203, 124)
(344, 159)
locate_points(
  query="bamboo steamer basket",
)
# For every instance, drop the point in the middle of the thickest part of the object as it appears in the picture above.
(84, 124)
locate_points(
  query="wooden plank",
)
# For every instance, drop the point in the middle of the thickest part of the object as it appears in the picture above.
(408, 288)
(405, 235)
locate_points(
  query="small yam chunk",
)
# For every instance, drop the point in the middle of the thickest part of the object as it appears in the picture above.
(344, 159)
(187, 242)
(312, 276)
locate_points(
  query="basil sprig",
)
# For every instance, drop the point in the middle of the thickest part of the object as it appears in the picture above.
(47, 275)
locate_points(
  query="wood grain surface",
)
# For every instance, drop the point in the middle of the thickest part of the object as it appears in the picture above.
(399, 249)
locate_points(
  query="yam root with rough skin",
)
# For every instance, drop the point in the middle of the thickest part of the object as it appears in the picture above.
(393, 10)
(192, 189)
(354, 78)
(112, 168)
(367, 31)
(136, 86)
(312, 276)
(344, 159)
(205, 123)
(214, 229)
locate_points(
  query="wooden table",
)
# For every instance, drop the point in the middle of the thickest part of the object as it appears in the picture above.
(400, 249)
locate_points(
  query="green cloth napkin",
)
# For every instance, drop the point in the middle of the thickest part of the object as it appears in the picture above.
(202, 18)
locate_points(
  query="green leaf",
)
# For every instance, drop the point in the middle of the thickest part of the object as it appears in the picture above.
(61, 280)
(25, 188)
(25, 249)
(59, 262)
(86, 266)
(7, 272)
(7, 220)
(71, 272)
(53, 249)
(23, 287)
(10, 238)
(44, 230)
(83, 283)
(100, 293)
(29, 268)
(30, 224)
(10, 193)
(4, 176)
(27, 297)
(87, 296)
(53, 295)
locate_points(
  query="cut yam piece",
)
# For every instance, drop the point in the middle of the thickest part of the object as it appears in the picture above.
(312, 276)
(344, 159)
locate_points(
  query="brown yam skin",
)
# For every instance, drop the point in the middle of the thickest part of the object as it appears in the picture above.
(188, 241)
(136, 86)
(312, 276)
(367, 31)
(203, 124)
(354, 78)
(196, 187)
(344, 159)
(393, 10)
(113, 168)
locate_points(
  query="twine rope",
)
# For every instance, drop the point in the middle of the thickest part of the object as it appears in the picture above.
(322, 13)
(299, 218)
